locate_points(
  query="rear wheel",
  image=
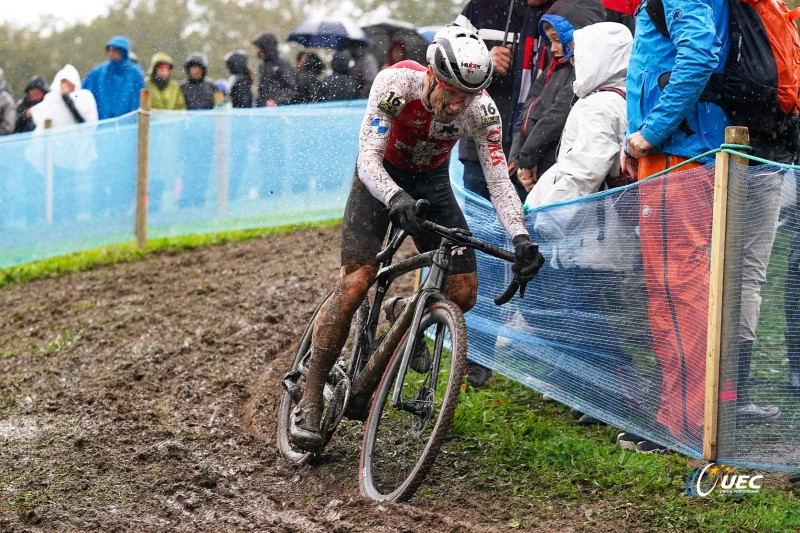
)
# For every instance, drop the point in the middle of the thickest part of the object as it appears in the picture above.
(401, 443)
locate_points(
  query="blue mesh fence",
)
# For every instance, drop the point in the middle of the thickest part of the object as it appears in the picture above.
(614, 325)
(761, 321)
(71, 189)
(59, 184)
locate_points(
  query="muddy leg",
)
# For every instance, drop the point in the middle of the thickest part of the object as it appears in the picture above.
(333, 325)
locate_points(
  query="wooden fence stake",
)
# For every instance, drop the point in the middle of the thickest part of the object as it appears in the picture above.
(716, 289)
(48, 175)
(142, 154)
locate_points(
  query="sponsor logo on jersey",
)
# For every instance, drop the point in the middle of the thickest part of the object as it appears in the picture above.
(379, 126)
(494, 136)
(491, 120)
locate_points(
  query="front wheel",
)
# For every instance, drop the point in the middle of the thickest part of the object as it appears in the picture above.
(401, 442)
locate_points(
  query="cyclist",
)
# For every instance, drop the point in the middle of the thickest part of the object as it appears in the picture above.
(414, 117)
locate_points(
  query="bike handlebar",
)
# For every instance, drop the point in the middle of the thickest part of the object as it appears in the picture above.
(459, 236)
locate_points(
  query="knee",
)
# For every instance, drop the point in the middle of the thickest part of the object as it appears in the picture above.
(462, 289)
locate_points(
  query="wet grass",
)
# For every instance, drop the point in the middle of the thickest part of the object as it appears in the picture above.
(511, 443)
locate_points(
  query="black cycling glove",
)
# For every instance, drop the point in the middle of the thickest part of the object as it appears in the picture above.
(403, 212)
(527, 259)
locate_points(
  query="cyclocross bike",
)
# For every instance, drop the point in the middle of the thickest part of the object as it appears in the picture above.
(415, 399)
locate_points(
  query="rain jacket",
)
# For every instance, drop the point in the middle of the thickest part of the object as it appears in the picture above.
(24, 123)
(340, 85)
(309, 84)
(588, 153)
(170, 97)
(672, 118)
(239, 82)
(116, 84)
(8, 110)
(74, 149)
(277, 78)
(545, 111)
(364, 69)
(199, 94)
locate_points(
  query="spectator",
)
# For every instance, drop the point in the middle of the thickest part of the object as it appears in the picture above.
(309, 84)
(365, 66)
(197, 90)
(34, 93)
(396, 54)
(533, 150)
(241, 81)
(340, 85)
(195, 171)
(165, 93)
(8, 110)
(66, 105)
(277, 78)
(666, 125)
(489, 19)
(116, 83)
(512, 74)
(592, 246)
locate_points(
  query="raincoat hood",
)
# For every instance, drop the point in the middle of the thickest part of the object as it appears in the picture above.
(566, 16)
(342, 62)
(196, 58)
(236, 62)
(602, 52)
(122, 43)
(269, 43)
(313, 65)
(37, 82)
(159, 57)
(68, 73)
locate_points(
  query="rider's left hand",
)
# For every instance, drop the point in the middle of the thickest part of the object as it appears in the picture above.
(527, 259)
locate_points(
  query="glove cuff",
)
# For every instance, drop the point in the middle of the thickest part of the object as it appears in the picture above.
(398, 197)
(520, 239)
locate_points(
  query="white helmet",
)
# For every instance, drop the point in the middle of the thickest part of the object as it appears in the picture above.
(460, 59)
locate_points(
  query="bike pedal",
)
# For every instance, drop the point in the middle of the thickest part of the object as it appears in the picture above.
(290, 385)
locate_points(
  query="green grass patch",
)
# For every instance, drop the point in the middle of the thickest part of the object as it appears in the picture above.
(107, 255)
(509, 441)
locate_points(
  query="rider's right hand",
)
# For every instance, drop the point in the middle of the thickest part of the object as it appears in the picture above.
(403, 212)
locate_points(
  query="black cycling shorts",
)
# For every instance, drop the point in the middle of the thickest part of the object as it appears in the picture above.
(366, 219)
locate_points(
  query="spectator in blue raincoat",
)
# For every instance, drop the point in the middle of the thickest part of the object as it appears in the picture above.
(116, 83)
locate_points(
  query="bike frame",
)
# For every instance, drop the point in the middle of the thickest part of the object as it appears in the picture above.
(365, 379)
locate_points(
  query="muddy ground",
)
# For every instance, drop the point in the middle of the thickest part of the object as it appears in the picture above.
(142, 397)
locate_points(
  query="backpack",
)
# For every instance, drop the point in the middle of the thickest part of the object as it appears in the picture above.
(759, 87)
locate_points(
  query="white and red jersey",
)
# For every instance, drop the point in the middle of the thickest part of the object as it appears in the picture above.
(399, 127)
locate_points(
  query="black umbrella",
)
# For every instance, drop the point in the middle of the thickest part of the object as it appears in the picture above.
(383, 32)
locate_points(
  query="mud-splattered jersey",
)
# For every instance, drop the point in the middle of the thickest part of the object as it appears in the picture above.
(398, 127)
